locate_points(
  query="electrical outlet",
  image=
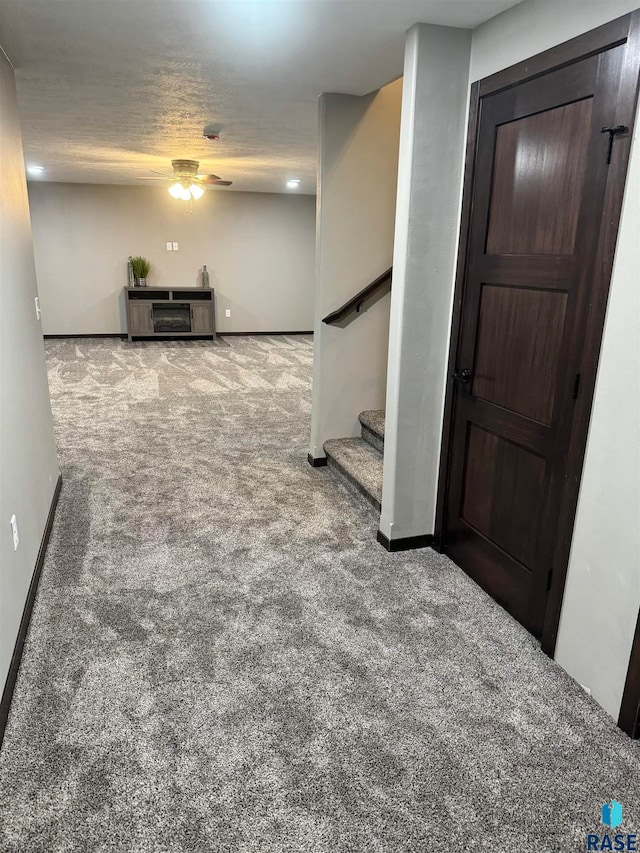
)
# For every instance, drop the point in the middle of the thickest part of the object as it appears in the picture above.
(169, 246)
(14, 532)
(227, 313)
(38, 309)
(175, 247)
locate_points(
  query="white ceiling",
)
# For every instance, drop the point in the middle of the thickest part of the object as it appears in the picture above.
(110, 89)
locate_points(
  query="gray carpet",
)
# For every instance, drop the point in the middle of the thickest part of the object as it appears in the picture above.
(360, 463)
(221, 658)
(372, 427)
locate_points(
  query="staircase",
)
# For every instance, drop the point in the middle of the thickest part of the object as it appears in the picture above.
(359, 460)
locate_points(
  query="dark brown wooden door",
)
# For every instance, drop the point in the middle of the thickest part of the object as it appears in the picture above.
(538, 196)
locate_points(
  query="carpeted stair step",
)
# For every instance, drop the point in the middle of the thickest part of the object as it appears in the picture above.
(372, 428)
(359, 463)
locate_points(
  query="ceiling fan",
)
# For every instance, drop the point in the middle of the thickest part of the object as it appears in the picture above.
(187, 184)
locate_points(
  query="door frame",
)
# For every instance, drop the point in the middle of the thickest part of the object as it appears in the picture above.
(629, 717)
(623, 30)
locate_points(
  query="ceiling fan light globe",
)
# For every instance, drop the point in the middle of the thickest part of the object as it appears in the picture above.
(185, 195)
(196, 191)
(175, 190)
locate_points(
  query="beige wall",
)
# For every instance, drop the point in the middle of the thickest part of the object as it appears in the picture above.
(258, 248)
(358, 159)
(28, 464)
(602, 594)
(426, 235)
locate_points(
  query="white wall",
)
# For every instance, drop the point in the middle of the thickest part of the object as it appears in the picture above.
(602, 594)
(534, 26)
(426, 233)
(358, 162)
(258, 248)
(28, 464)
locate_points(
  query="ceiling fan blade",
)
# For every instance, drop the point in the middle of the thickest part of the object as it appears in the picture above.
(208, 179)
(221, 183)
(149, 178)
(162, 174)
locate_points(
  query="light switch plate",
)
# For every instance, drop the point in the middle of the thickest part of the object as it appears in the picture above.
(175, 247)
(227, 313)
(169, 246)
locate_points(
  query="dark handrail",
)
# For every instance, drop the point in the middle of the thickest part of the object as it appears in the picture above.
(358, 300)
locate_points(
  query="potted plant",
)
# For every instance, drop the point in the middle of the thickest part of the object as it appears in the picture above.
(141, 268)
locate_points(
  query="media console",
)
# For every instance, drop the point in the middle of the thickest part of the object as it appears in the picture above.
(160, 312)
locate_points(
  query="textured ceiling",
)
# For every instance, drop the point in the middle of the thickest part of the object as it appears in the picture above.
(111, 89)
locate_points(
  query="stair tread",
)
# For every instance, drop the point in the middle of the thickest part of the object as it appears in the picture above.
(360, 462)
(373, 420)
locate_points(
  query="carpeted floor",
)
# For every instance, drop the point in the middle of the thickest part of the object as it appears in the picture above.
(221, 657)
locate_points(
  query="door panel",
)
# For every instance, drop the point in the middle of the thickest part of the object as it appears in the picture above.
(518, 346)
(499, 476)
(542, 162)
(538, 194)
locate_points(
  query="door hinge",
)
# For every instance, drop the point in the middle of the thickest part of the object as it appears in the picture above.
(576, 385)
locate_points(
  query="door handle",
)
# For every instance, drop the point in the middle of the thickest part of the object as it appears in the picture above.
(463, 376)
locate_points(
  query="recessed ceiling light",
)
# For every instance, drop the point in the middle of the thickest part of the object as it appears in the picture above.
(293, 183)
(35, 170)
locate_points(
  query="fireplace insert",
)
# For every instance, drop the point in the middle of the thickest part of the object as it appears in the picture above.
(172, 318)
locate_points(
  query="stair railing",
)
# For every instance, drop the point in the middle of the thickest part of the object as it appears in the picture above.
(357, 301)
